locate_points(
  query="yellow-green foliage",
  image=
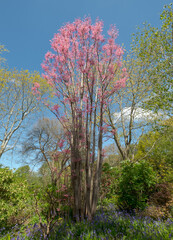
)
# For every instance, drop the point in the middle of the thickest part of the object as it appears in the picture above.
(11, 79)
(2, 50)
(20, 79)
(13, 197)
(157, 148)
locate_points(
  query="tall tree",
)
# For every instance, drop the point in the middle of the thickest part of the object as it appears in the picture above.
(126, 118)
(148, 93)
(16, 104)
(80, 72)
(157, 44)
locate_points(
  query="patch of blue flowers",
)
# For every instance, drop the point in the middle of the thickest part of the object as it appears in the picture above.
(108, 225)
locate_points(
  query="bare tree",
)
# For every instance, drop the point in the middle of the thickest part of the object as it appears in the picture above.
(46, 144)
(112, 155)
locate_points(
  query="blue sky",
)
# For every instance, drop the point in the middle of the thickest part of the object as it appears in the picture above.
(27, 26)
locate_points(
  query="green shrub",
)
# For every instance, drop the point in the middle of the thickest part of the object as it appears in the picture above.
(135, 185)
(109, 178)
(109, 203)
(14, 196)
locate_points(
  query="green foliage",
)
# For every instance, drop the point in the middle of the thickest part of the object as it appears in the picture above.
(23, 171)
(45, 174)
(17, 103)
(110, 202)
(2, 50)
(50, 204)
(109, 181)
(109, 186)
(154, 46)
(14, 196)
(157, 148)
(135, 185)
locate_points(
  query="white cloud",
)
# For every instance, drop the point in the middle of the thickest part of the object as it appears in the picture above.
(139, 114)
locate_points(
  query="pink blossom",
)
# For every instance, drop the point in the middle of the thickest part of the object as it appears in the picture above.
(55, 107)
(61, 143)
(67, 151)
(113, 131)
(119, 52)
(123, 81)
(48, 56)
(36, 85)
(81, 70)
(113, 32)
(45, 67)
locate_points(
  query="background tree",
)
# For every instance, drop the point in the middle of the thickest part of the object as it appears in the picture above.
(157, 148)
(157, 44)
(32, 177)
(46, 145)
(126, 118)
(17, 104)
(148, 87)
(112, 155)
(80, 73)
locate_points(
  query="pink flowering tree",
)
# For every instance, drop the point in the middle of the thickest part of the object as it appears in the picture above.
(81, 72)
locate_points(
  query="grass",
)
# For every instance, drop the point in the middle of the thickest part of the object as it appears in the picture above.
(110, 224)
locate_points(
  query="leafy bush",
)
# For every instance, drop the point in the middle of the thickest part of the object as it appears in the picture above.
(160, 202)
(162, 194)
(14, 196)
(157, 148)
(109, 178)
(109, 203)
(108, 187)
(155, 212)
(135, 185)
(50, 204)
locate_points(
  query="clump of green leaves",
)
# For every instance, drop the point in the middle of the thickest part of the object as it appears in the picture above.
(156, 147)
(14, 196)
(156, 47)
(135, 185)
(108, 186)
